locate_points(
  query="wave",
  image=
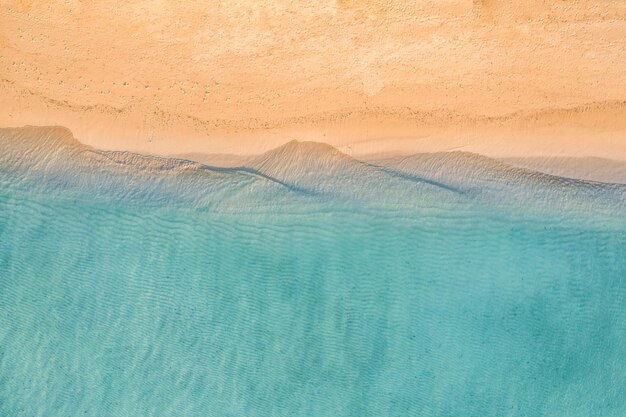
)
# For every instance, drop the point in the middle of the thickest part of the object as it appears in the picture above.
(493, 180)
(50, 159)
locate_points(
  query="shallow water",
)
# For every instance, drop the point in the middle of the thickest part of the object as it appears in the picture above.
(109, 308)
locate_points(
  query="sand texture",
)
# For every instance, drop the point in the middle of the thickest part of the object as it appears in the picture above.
(529, 79)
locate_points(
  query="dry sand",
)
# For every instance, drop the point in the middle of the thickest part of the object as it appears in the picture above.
(504, 79)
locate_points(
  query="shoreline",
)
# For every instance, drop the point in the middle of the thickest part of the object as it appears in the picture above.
(585, 167)
(592, 130)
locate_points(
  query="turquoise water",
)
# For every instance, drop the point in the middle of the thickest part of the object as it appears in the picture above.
(158, 304)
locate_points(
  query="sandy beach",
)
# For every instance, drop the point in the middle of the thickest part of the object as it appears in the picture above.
(171, 78)
(342, 208)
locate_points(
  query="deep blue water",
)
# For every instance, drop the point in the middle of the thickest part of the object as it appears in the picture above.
(126, 307)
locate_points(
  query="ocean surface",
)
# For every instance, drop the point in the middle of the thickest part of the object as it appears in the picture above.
(305, 284)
